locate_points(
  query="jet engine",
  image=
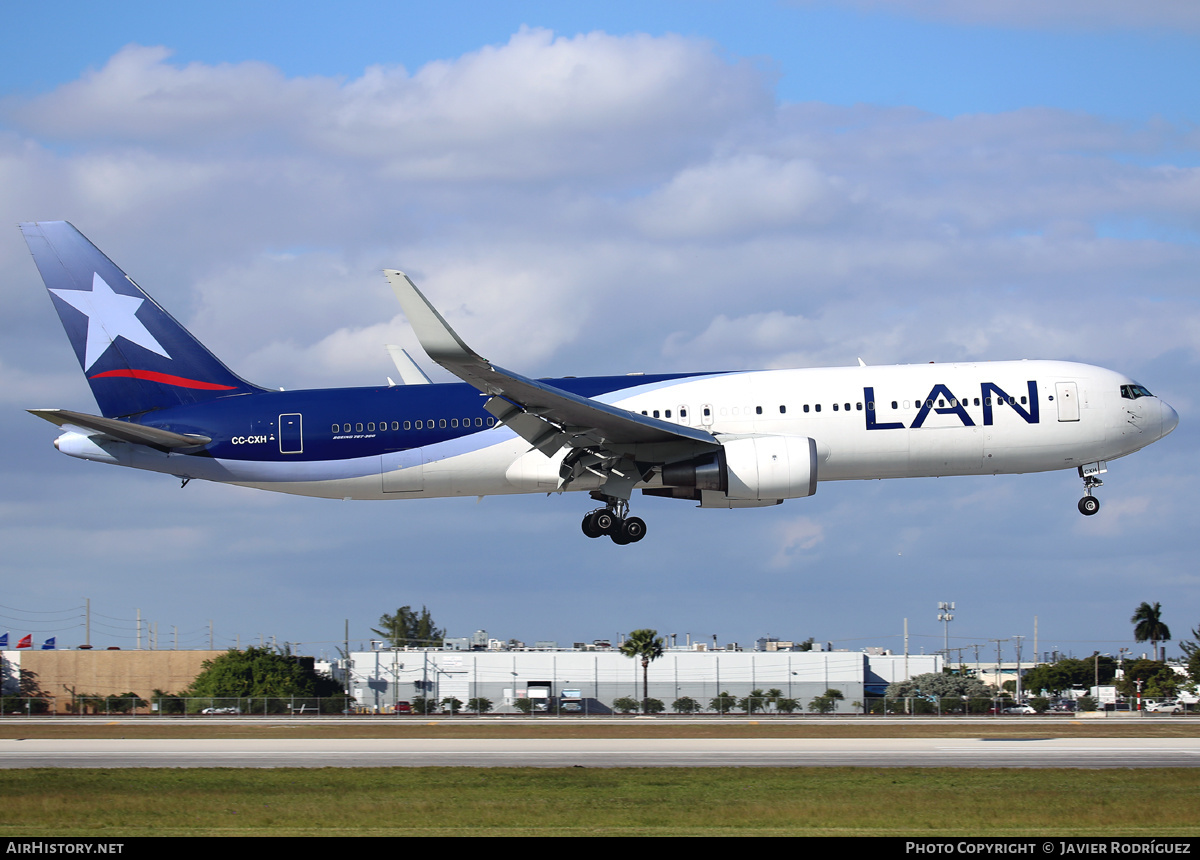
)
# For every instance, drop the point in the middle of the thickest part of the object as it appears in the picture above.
(749, 468)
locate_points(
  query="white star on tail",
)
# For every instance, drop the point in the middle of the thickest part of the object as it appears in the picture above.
(110, 315)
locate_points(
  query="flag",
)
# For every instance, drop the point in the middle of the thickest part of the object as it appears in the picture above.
(4, 640)
(48, 645)
(26, 641)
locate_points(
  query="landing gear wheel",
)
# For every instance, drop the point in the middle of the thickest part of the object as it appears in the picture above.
(604, 521)
(619, 538)
(1088, 505)
(589, 525)
(634, 529)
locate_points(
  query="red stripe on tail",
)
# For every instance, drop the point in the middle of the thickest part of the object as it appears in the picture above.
(165, 379)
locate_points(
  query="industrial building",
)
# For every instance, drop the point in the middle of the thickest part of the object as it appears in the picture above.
(64, 674)
(381, 678)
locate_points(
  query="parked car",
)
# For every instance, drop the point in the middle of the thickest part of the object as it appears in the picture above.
(1164, 707)
(1020, 709)
(403, 708)
(220, 711)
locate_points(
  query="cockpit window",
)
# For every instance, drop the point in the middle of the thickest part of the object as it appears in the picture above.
(1133, 392)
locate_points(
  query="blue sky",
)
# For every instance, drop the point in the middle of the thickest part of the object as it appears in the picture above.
(751, 185)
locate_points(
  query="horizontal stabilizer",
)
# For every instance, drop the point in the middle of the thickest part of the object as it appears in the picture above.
(126, 431)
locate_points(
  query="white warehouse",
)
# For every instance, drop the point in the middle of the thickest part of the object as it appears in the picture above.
(383, 677)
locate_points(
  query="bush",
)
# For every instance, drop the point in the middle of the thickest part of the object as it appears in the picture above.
(686, 705)
(424, 705)
(787, 706)
(21, 705)
(625, 705)
(723, 704)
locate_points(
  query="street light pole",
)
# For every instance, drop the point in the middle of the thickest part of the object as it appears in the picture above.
(944, 615)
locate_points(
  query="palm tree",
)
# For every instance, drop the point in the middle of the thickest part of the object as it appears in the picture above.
(647, 645)
(1149, 626)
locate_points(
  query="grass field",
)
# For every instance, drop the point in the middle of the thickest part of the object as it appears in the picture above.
(577, 801)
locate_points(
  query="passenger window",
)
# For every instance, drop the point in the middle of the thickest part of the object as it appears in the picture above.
(345, 428)
(407, 425)
(818, 407)
(667, 413)
(835, 407)
(358, 428)
(758, 410)
(371, 427)
(335, 427)
(478, 422)
(491, 421)
(396, 425)
(857, 406)
(894, 404)
(805, 407)
(420, 425)
(655, 413)
(442, 424)
(454, 422)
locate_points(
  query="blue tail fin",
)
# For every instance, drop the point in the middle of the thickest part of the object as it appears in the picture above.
(136, 357)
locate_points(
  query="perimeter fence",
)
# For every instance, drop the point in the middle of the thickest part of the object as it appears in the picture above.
(724, 705)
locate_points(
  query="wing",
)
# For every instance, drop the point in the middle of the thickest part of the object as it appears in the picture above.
(548, 417)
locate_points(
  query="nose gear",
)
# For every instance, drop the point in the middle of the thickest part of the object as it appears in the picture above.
(1089, 504)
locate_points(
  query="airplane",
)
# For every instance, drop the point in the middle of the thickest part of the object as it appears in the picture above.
(723, 439)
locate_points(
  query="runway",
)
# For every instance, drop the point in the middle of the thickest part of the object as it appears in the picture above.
(606, 752)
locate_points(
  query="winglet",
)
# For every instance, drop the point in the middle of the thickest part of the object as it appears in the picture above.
(439, 341)
(410, 373)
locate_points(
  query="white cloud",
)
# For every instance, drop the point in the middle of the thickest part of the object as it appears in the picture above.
(739, 196)
(795, 539)
(537, 106)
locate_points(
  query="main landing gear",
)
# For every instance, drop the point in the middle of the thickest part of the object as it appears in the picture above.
(614, 520)
(1089, 504)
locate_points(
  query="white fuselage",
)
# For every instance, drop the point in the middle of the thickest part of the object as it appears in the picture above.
(868, 422)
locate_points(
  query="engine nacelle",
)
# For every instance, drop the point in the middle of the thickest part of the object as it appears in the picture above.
(752, 468)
